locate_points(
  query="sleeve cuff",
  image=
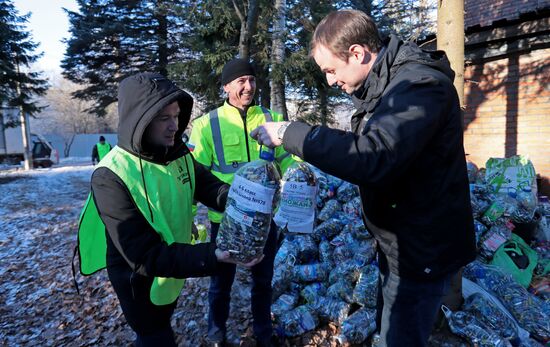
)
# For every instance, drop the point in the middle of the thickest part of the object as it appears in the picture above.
(294, 138)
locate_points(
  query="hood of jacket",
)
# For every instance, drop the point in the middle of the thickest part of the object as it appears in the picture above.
(140, 99)
(396, 54)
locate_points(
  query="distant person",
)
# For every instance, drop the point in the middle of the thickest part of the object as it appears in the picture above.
(100, 150)
(137, 221)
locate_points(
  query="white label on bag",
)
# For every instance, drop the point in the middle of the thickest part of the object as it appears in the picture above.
(251, 196)
(296, 207)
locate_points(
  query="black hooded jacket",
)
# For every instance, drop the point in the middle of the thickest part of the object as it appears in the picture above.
(134, 249)
(406, 154)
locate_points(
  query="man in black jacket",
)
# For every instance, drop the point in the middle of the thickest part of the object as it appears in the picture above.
(406, 154)
(142, 193)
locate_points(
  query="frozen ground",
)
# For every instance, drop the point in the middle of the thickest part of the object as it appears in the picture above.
(39, 304)
(39, 212)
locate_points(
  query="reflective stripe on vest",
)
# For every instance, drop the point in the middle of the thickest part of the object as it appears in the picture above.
(224, 167)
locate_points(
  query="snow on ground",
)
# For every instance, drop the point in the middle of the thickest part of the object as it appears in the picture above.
(38, 219)
(75, 161)
(46, 192)
(39, 213)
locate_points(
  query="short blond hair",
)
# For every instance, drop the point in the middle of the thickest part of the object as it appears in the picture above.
(341, 29)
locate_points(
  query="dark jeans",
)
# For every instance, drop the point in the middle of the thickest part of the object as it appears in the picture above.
(407, 309)
(163, 338)
(150, 322)
(220, 292)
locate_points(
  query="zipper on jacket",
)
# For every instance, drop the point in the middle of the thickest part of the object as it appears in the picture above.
(243, 117)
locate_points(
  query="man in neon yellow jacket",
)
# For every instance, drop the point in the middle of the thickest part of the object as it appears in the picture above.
(220, 141)
(100, 150)
(137, 220)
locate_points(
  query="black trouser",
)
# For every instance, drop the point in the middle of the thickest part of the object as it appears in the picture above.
(220, 292)
(150, 322)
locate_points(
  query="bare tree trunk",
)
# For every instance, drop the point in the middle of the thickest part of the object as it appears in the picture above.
(450, 38)
(262, 85)
(248, 25)
(278, 98)
(68, 143)
(162, 37)
(25, 130)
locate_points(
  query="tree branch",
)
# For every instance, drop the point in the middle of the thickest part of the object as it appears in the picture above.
(238, 11)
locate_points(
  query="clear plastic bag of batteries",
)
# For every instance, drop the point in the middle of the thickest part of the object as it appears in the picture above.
(296, 210)
(246, 222)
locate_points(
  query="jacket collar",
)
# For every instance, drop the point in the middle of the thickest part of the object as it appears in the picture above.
(378, 78)
(244, 112)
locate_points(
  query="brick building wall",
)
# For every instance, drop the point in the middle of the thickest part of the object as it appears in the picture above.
(507, 87)
(486, 12)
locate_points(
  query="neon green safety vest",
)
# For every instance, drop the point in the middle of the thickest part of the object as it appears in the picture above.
(103, 149)
(166, 206)
(220, 141)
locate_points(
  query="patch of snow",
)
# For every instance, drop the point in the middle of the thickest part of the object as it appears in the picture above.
(75, 160)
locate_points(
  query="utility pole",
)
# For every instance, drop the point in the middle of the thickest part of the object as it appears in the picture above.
(25, 130)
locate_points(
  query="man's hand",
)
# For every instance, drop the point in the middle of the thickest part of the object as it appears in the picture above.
(225, 257)
(267, 134)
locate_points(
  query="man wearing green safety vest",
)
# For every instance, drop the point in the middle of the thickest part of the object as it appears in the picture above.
(137, 220)
(220, 141)
(100, 150)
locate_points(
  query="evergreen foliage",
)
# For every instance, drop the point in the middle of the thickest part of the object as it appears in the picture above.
(212, 40)
(19, 84)
(112, 39)
(191, 40)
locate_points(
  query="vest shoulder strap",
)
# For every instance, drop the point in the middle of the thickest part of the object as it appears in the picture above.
(223, 166)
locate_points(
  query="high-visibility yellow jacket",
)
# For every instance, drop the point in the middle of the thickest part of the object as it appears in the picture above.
(220, 140)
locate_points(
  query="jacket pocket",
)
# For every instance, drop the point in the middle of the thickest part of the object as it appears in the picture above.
(232, 148)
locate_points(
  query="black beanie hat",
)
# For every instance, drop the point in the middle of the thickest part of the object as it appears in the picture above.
(236, 68)
(101, 138)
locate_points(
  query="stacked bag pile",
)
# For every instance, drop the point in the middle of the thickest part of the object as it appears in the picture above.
(327, 274)
(326, 269)
(507, 288)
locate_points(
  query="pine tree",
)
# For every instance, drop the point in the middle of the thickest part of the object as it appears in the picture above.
(212, 40)
(409, 19)
(278, 96)
(112, 39)
(216, 36)
(314, 99)
(19, 84)
(97, 55)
